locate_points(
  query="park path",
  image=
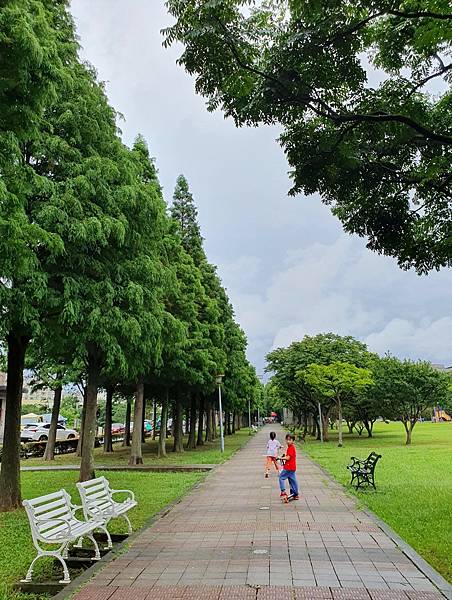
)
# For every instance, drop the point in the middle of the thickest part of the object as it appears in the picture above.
(232, 538)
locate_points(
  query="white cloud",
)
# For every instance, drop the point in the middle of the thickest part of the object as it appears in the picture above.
(344, 288)
(413, 340)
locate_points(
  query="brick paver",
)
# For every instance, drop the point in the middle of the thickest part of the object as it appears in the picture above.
(232, 538)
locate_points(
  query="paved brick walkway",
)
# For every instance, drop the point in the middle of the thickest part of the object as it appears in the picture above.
(232, 538)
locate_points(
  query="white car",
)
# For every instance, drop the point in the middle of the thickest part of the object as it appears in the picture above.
(39, 432)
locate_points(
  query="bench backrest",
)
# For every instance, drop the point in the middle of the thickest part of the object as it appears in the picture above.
(96, 496)
(372, 460)
(49, 514)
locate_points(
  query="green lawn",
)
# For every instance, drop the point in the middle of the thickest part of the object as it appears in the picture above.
(152, 490)
(414, 483)
(209, 453)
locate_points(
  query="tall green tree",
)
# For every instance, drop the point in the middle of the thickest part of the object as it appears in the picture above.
(378, 153)
(323, 349)
(337, 381)
(38, 51)
(185, 213)
(405, 389)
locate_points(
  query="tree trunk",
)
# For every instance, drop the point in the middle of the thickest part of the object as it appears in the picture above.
(178, 445)
(10, 496)
(209, 437)
(234, 420)
(228, 423)
(317, 426)
(154, 418)
(108, 442)
(325, 427)
(49, 453)
(214, 424)
(126, 441)
(82, 422)
(191, 445)
(408, 433)
(163, 423)
(350, 425)
(200, 440)
(339, 411)
(143, 417)
(90, 424)
(368, 425)
(136, 456)
(187, 423)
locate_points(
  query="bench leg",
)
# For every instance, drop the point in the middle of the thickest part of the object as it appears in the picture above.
(107, 533)
(96, 547)
(127, 520)
(58, 556)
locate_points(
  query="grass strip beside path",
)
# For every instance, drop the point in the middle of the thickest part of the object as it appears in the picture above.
(414, 483)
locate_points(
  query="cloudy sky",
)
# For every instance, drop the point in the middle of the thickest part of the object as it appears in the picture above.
(288, 267)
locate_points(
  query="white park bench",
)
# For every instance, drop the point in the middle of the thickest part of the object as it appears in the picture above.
(53, 521)
(98, 502)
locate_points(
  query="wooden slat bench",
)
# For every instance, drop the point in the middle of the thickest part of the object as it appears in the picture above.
(53, 522)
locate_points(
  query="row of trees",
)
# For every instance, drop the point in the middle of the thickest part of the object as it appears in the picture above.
(99, 284)
(328, 376)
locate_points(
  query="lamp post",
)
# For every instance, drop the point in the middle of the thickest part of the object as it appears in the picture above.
(219, 379)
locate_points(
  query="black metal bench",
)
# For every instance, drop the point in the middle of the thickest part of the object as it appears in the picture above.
(363, 471)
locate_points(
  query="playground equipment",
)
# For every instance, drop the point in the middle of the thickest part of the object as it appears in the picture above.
(440, 415)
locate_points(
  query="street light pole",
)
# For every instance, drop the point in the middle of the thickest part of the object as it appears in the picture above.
(219, 380)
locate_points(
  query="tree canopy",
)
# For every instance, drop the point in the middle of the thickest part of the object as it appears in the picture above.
(378, 153)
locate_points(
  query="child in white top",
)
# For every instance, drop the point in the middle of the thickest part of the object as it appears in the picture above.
(273, 447)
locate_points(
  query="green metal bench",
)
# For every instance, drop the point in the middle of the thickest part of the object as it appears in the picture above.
(363, 471)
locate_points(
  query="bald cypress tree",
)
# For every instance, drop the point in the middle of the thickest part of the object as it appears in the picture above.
(38, 51)
(185, 213)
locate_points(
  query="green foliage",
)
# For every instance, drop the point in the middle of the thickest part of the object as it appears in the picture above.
(405, 389)
(378, 154)
(287, 365)
(70, 409)
(336, 380)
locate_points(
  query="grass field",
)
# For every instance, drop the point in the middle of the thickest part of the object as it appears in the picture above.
(209, 453)
(414, 483)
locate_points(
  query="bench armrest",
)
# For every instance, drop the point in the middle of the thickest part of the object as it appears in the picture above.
(131, 494)
(55, 520)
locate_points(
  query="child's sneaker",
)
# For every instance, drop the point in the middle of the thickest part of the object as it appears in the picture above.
(283, 496)
(297, 497)
(266, 475)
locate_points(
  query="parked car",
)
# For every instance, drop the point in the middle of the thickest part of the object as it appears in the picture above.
(117, 428)
(147, 426)
(39, 432)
